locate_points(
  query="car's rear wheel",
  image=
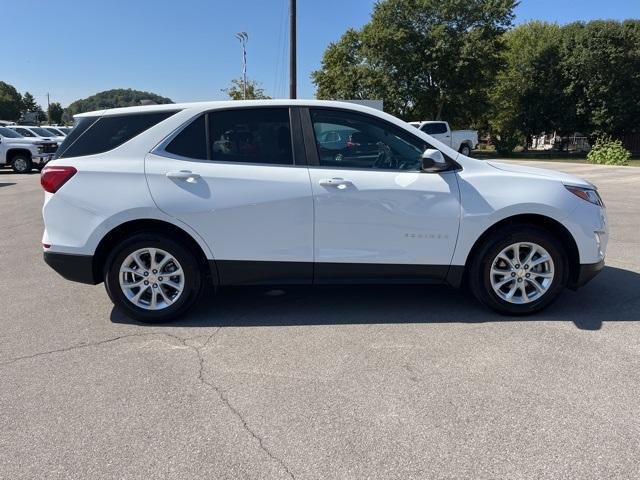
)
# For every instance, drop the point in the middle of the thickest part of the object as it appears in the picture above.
(519, 270)
(21, 164)
(465, 150)
(151, 278)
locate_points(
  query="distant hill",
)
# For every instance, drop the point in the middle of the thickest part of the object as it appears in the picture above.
(119, 97)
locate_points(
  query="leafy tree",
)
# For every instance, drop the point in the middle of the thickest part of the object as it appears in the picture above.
(29, 103)
(427, 59)
(528, 96)
(236, 90)
(601, 61)
(119, 97)
(55, 113)
(10, 102)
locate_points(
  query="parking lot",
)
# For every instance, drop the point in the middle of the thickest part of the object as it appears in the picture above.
(329, 382)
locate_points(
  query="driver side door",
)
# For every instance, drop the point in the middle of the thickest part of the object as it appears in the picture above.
(377, 216)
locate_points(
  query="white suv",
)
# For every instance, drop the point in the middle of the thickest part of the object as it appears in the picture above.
(157, 200)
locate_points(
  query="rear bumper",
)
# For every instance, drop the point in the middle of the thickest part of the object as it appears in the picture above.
(586, 274)
(77, 268)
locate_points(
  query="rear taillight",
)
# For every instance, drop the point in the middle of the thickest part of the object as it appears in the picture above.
(53, 178)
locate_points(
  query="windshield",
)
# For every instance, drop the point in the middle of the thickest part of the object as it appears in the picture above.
(55, 131)
(7, 132)
(41, 132)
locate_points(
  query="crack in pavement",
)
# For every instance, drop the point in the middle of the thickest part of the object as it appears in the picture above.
(88, 345)
(223, 397)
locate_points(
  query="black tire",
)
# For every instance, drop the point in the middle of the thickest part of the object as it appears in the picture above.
(479, 274)
(193, 278)
(465, 150)
(21, 164)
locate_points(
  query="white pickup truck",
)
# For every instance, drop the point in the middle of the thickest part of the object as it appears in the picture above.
(22, 154)
(461, 140)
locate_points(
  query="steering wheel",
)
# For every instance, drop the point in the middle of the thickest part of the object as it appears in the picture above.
(385, 158)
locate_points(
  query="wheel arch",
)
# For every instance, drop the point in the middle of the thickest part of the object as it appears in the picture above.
(551, 225)
(120, 232)
(12, 152)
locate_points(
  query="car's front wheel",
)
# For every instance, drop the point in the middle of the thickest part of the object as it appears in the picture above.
(519, 270)
(151, 278)
(21, 164)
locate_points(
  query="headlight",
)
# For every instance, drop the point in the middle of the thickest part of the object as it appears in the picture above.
(40, 148)
(588, 194)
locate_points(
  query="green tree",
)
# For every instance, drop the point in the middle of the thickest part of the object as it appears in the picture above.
(529, 96)
(601, 62)
(119, 97)
(29, 103)
(235, 91)
(427, 59)
(10, 102)
(55, 113)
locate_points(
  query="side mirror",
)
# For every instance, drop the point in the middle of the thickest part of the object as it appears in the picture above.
(433, 161)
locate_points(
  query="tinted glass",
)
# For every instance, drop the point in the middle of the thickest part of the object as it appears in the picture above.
(434, 128)
(79, 128)
(43, 132)
(24, 132)
(7, 132)
(54, 131)
(110, 132)
(351, 140)
(190, 142)
(251, 135)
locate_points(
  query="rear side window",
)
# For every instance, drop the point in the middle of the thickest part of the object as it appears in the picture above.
(251, 135)
(107, 133)
(190, 142)
(434, 128)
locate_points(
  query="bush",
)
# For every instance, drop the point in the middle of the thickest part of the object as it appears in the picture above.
(607, 151)
(506, 142)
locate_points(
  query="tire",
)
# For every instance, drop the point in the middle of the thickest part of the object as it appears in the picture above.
(550, 276)
(21, 164)
(143, 309)
(465, 150)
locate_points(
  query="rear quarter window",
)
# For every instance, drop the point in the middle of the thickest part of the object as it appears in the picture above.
(94, 135)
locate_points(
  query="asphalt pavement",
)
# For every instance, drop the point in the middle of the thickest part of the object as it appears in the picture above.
(344, 382)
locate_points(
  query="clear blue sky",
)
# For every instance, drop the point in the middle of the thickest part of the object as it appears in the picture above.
(186, 49)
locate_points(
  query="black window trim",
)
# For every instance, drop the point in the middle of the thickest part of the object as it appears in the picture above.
(312, 152)
(295, 129)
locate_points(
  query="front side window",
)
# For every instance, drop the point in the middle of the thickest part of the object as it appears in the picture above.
(251, 135)
(434, 128)
(42, 132)
(107, 133)
(24, 132)
(352, 140)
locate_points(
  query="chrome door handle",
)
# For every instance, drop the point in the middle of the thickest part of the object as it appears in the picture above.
(333, 182)
(187, 175)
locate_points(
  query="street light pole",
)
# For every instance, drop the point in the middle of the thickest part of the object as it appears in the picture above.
(243, 37)
(292, 49)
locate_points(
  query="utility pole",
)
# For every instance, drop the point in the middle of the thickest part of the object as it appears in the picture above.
(48, 105)
(243, 37)
(292, 49)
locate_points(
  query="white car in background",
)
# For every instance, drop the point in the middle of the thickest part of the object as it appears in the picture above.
(22, 154)
(156, 201)
(462, 141)
(38, 133)
(57, 131)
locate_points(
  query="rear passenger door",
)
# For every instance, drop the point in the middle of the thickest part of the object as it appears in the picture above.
(238, 177)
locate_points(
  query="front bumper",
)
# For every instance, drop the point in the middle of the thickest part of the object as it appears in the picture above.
(77, 268)
(41, 159)
(585, 274)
